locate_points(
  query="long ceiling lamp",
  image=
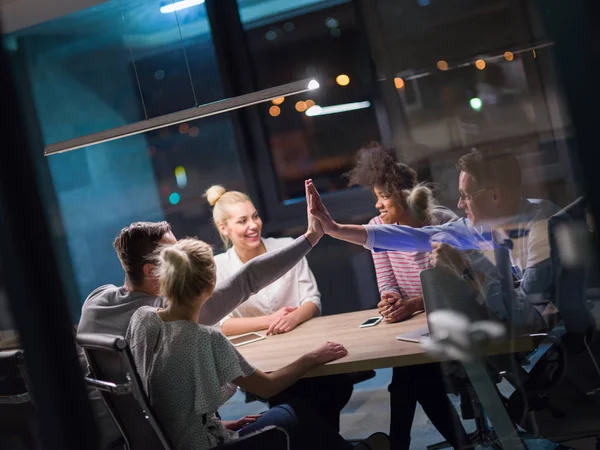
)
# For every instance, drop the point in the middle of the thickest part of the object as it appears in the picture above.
(199, 112)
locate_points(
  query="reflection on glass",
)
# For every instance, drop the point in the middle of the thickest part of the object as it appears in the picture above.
(8, 336)
(316, 135)
(111, 65)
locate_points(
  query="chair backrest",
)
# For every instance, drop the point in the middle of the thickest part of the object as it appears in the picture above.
(13, 378)
(112, 371)
(569, 279)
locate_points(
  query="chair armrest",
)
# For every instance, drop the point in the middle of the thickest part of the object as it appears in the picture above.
(119, 389)
(15, 399)
(269, 438)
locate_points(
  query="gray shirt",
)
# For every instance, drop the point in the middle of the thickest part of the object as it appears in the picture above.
(187, 371)
(109, 308)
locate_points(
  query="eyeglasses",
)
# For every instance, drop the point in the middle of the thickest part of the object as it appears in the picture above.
(464, 196)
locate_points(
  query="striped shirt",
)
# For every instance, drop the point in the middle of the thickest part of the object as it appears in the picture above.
(399, 272)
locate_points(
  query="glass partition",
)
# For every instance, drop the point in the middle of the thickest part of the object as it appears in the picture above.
(479, 256)
(314, 135)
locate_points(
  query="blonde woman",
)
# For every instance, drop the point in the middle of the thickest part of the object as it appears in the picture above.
(284, 304)
(189, 370)
(278, 308)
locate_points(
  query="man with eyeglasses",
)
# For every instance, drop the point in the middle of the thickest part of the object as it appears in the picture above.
(490, 195)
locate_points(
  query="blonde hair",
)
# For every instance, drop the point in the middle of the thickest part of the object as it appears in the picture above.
(419, 201)
(220, 199)
(186, 270)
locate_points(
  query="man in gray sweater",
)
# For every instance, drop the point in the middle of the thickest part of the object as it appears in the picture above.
(108, 309)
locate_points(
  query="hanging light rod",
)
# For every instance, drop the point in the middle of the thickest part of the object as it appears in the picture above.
(199, 112)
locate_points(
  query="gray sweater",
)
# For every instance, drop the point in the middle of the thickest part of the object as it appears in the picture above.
(109, 308)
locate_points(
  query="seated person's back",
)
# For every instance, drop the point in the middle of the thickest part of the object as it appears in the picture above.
(188, 369)
(186, 391)
(109, 308)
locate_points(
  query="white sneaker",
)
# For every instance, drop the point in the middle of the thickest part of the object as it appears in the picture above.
(377, 441)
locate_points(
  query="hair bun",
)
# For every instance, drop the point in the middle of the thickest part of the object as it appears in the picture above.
(174, 257)
(214, 193)
(419, 200)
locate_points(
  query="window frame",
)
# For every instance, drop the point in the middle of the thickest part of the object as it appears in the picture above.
(353, 205)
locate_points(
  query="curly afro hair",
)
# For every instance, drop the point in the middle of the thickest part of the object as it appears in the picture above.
(376, 166)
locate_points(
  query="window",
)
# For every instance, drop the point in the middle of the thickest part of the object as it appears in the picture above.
(315, 135)
(478, 75)
(114, 64)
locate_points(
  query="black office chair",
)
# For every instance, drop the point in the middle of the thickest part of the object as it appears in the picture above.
(563, 389)
(17, 411)
(498, 368)
(113, 372)
(458, 383)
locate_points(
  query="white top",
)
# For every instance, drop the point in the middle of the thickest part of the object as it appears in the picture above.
(295, 288)
(186, 369)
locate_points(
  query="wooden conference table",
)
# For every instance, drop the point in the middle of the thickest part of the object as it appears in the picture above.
(368, 348)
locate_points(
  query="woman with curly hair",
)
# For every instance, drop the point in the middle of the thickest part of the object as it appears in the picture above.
(402, 200)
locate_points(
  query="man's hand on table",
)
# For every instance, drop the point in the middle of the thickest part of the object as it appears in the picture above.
(394, 309)
(449, 258)
(284, 323)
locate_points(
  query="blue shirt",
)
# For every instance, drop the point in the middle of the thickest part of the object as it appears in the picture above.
(530, 256)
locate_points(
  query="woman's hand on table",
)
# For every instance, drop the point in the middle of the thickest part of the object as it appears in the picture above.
(387, 302)
(390, 302)
(284, 324)
(235, 425)
(329, 351)
(394, 309)
(281, 312)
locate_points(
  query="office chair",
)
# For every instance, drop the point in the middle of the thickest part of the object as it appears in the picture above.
(113, 373)
(497, 368)
(17, 411)
(563, 389)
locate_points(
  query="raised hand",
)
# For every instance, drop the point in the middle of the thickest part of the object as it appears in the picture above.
(314, 226)
(328, 352)
(317, 208)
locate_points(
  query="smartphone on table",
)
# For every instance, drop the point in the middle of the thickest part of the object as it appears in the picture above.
(244, 339)
(371, 322)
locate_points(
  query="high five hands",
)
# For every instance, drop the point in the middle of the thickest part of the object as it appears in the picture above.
(317, 210)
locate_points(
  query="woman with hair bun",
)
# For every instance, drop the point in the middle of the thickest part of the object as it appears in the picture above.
(402, 200)
(285, 303)
(189, 370)
(278, 308)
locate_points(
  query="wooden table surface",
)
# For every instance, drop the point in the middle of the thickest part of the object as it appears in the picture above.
(368, 348)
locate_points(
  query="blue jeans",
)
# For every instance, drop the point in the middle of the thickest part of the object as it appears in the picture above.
(326, 396)
(306, 429)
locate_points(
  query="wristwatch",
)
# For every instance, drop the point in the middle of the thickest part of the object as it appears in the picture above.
(468, 275)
